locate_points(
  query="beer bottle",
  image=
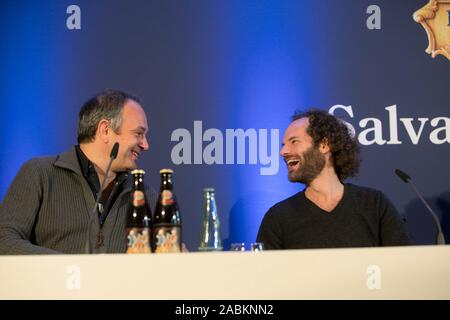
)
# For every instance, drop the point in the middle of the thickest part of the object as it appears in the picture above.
(167, 222)
(139, 217)
(210, 239)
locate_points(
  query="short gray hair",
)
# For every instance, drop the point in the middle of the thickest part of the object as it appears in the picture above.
(107, 105)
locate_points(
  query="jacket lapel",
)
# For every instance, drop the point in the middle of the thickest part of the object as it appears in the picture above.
(68, 160)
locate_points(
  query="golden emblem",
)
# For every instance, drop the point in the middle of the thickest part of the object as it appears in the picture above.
(435, 19)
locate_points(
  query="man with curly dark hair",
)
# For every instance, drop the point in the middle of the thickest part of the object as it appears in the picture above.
(320, 152)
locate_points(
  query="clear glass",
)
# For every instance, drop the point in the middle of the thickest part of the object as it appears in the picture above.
(211, 239)
(238, 246)
(253, 247)
(257, 246)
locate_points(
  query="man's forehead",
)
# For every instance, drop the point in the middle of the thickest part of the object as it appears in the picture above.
(297, 127)
(302, 122)
(133, 107)
(134, 114)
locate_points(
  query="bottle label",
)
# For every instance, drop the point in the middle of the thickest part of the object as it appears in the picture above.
(139, 240)
(167, 239)
(166, 197)
(138, 198)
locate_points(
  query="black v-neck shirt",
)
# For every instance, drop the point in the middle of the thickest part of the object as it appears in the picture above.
(364, 217)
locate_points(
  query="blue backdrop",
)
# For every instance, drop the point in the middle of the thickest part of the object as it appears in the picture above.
(230, 65)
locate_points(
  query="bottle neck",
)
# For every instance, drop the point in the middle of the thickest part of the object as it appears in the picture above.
(138, 182)
(209, 195)
(210, 206)
(166, 182)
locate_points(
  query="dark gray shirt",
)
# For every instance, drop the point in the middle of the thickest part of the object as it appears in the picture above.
(363, 218)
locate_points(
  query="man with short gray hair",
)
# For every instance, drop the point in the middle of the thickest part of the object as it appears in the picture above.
(49, 205)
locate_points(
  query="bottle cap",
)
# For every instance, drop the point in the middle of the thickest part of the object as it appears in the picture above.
(138, 171)
(208, 190)
(166, 171)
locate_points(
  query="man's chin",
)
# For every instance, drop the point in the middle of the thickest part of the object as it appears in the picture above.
(132, 166)
(128, 166)
(295, 178)
(292, 177)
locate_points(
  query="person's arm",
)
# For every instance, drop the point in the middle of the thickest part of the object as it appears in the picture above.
(18, 213)
(270, 232)
(393, 230)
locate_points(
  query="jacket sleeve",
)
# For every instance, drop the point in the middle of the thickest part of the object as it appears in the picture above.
(19, 210)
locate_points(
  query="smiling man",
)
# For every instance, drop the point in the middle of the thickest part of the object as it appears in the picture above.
(320, 153)
(48, 207)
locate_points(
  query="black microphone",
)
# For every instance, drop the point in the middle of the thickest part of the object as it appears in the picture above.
(112, 156)
(406, 178)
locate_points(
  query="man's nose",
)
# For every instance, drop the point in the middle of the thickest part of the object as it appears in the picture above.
(144, 144)
(283, 151)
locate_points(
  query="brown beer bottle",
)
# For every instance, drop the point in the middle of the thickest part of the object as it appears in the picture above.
(167, 222)
(139, 217)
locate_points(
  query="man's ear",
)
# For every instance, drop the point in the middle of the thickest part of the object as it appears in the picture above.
(103, 130)
(324, 146)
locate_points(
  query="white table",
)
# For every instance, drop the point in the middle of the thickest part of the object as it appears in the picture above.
(418, 272)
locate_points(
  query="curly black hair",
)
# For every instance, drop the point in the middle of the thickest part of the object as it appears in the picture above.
(324, 127)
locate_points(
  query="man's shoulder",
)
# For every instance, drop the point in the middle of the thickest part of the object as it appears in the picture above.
(367, 195)
(44, 163)
(35, 169)
(288, 204)
(362, 191)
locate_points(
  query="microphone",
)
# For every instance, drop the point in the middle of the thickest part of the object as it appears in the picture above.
(406, 178)
(112, 156)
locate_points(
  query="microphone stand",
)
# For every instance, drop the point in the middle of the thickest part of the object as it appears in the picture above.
(407, 179)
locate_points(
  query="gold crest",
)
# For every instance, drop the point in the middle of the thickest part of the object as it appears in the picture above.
(435, 19)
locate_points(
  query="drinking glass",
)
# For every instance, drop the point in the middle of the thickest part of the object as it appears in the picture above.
(242, 246)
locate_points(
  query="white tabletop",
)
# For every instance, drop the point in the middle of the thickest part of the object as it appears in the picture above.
(418, 272)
